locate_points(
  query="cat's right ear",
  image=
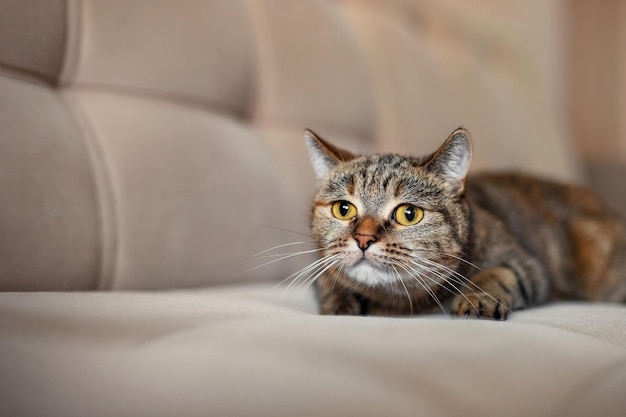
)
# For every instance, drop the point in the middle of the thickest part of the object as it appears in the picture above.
(452, 159)
(324, 156)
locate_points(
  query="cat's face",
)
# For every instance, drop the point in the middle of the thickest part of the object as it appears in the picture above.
(388, 219)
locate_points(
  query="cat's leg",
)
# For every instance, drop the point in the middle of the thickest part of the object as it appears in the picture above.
(335, 299)
(491, 297)
(494, 292)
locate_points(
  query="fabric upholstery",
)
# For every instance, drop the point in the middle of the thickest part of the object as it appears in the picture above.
(258, 351)
(49, 220)
(33, 37)
(200, 54)
(157, 146)
(168, 121)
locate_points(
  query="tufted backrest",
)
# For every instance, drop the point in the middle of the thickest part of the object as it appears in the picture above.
(150, 144)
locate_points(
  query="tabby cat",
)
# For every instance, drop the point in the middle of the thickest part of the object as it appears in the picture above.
(402, 235)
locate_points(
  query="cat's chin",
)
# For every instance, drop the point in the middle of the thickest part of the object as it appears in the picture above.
(364, 272)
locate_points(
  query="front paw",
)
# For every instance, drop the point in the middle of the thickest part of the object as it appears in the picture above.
(346, 305)
(479, 305)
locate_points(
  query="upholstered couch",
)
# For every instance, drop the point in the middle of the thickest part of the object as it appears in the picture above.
(148, 151)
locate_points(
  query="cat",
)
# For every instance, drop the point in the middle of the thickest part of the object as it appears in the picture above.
(403, 235)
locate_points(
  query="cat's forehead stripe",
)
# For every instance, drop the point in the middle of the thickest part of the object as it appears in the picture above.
(399, 189)
(387, 179)
(350, 186)
(375, 179)
(381, 172)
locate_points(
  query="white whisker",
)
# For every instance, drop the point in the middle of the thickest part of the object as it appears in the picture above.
(281, 246)
(446, 280)
(309, 270)
(461, 280)
(336, 276)
(458, 258)
(285, 230)
(282, 258)
(277, 255)
(417, 276)
(408, 296)
(455, 276)
(318, 274)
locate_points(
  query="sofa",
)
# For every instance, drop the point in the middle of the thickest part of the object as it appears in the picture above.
(155, 191)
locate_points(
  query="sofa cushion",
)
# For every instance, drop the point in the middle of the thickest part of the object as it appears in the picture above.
(258, 350)
(158, 120)
(50, 232)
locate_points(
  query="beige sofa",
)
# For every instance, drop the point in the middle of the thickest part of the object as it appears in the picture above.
(148, 150)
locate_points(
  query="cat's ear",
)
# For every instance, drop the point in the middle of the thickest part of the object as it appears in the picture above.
(452, 159)
(324, 156)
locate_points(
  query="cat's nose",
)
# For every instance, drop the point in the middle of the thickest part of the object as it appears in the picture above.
(364, 241)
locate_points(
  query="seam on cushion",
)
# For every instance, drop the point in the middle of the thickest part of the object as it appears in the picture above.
(105, 198)
(164, 97)
(73, 52)
(252, 61)
(25, 75)
(72, 11)
(263, 51)
(108, 234)
(73, 38)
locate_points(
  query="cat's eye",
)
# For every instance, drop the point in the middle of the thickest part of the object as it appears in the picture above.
(343, 210)
(408, 215)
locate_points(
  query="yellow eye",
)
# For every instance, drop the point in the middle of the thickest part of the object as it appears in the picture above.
(343, 210)
(408, 215)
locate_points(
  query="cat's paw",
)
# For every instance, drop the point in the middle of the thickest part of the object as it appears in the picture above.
(341, 306)
(479, 305)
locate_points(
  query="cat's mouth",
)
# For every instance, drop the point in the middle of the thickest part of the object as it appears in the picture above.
(363, 261)
(366, 258)
(371, 271)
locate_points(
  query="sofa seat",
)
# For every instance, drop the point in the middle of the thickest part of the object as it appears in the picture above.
(258, 350)
(157, 147)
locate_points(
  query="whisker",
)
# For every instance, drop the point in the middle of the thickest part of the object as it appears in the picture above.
(281, 246)
(431, 271)
(417, 276)
(336, 276)
(428, 264)
(276, 255)
(462, 280)
(314, 272)
(458, 278)
(308, 270)
(284, 230)
(282, 258)
(318, 274)
(446, 280)
(465, 261)
(408, 296)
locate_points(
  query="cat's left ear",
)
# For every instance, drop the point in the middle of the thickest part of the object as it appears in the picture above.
(324, 156)
(452, 159)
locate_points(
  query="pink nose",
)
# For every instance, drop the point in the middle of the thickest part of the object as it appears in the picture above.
(364, 241)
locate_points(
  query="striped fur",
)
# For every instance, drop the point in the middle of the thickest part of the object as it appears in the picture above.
(487, 244)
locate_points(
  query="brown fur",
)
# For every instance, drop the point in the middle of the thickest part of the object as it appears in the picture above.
(488, 244)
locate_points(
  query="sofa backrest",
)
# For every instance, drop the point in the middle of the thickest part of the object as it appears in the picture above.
(159, 145)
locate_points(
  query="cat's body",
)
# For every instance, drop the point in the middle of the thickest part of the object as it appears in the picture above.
(404, 235)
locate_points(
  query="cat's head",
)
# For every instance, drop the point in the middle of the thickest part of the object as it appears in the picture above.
(388, 218)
